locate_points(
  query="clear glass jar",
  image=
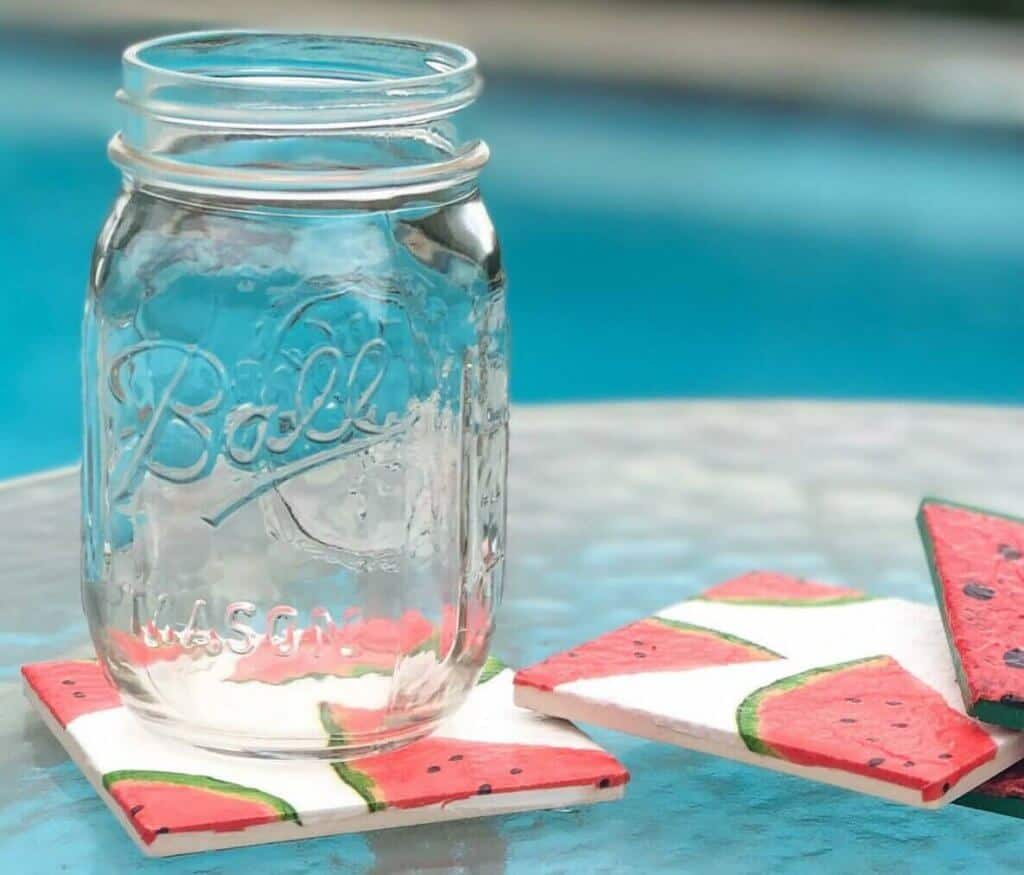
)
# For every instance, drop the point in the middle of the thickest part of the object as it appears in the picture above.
(295, 393)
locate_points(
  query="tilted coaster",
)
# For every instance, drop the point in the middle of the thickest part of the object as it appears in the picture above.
(489, 758)
(819, 681)
(977, 563)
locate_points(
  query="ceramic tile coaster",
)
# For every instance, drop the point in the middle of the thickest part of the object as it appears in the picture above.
(977, 563)
(810, 679)
(1003, 794)
(489, 758)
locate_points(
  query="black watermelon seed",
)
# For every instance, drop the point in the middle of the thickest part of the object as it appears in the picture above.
(876, 761)
(1011, 700)
(654, 647)
(1009, 552)
(638, 643)
(1014, 657)
(945, 787)
(433, 769)
(604, 782)
(78, 694)
(455, 757)
(515, 771)
(68, 682)
(978, 591)
(163, 830)
(640, 655)
(893, 702)
(483, 789)
(853, 699)
(136, 809)
(847, 720)
(908, 764)
(871, 740)
(900, 725)
(945, 756)
(572, 655)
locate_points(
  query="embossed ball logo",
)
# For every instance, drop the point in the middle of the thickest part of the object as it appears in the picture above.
(319, 382)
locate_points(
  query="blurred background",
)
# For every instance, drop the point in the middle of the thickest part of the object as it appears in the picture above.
(695, 199)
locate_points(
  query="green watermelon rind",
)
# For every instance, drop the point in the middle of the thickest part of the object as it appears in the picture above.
(1011, 806)
(203, 782)
(985, 710)
(362, 783)
(789, 603)
(747, 711)
(997, 713)
(491, 669)
(335, 735)
(822, 601)
(680, 626)
(358, 669)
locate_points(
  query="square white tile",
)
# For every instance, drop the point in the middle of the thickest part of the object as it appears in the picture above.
(489, 758)
(806, 678)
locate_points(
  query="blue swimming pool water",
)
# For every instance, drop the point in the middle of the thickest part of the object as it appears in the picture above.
(657, 245)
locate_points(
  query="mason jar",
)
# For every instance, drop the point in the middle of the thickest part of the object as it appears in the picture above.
(295, 394)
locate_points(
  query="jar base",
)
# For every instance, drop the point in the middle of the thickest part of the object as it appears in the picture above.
(258, 747)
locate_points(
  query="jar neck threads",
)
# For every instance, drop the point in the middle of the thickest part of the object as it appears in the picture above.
(267, 116)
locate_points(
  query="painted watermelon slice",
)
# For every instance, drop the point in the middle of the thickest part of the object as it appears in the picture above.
(492, 668)
(171, 802)
(344, 725)
(870, 717)
(363, 647)
(977, 564)
(442, 770)
(650, 645)
(1003, 794)
(780, 590)
(71, 688)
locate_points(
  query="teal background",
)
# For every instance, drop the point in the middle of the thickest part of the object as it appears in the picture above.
(659, 244)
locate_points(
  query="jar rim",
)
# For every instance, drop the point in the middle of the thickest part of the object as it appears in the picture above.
(464, 59)
(189, 93)
(265, 78)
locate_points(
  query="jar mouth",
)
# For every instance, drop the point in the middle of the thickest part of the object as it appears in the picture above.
(270, 115)
(265, 79)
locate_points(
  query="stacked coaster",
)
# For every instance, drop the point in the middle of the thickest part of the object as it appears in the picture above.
(489, 758)
(801, 677)
(977, 563)
(827, 682)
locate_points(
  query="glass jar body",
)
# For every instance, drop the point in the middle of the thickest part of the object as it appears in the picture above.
(295, 466)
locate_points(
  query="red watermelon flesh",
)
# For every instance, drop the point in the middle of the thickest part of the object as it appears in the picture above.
(769, 588)
(650, 645)
(869, 717)
(361, 647)
(170, 802)
(71, 688)
(977, 563)
(137, 653)
(440, 770)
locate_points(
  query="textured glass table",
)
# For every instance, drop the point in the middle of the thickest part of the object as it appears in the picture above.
(617, 510)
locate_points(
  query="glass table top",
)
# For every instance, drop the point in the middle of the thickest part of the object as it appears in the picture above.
(616, 510)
